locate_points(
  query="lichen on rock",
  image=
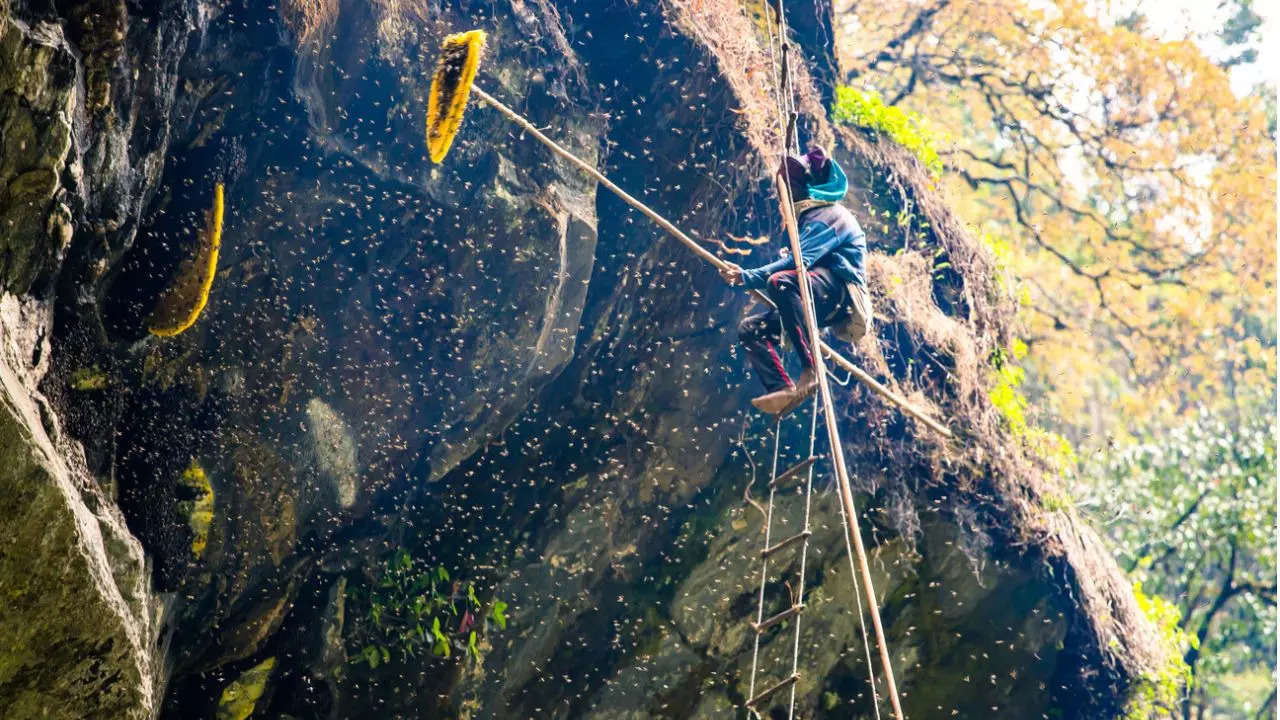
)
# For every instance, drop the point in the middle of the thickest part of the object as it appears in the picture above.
(198, 510)
(332, 450)
(241, 697)
(89, 379)
(76, 617)
(37, 104)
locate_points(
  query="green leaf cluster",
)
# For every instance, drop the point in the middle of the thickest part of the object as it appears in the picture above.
(1158, 693)
(411, 609)
(867, 110)
(1006, 396)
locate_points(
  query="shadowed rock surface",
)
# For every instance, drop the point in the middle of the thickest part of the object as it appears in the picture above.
(489, 366)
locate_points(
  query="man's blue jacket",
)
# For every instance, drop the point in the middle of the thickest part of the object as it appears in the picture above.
(830, 237)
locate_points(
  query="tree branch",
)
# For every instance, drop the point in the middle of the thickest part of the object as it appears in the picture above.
(921, 23)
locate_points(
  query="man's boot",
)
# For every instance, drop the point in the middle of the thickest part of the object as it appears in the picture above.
(782, 402)
(774, 402)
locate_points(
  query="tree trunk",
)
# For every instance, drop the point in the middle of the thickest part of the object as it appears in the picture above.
(1268, 707)
(1225, 594)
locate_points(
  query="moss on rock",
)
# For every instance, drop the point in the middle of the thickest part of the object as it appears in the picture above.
(74, 609)
(37, 102)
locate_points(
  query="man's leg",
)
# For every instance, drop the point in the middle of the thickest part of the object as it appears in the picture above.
(760, 335)
(829, 300)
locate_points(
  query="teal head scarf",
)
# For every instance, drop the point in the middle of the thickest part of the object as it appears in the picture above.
(833, 188)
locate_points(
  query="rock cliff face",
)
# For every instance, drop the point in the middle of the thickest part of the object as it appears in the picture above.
(485, 365)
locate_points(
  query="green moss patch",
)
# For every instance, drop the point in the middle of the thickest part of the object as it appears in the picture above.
(1158, 693)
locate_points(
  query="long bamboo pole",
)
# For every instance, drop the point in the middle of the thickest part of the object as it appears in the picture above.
(703, 253)
(836, 446)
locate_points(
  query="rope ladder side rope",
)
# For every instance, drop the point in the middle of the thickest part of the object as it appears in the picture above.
(804, 558)
(797, 603)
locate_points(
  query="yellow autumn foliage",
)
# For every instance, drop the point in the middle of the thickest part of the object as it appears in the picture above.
(1135, 188)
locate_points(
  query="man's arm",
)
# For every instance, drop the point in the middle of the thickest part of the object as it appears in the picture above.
(816, 240)
(755, 278)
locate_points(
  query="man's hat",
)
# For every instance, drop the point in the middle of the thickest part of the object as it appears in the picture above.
(819, 165)
(822, 177)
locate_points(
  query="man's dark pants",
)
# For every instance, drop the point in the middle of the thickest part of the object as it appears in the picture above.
(760, 334)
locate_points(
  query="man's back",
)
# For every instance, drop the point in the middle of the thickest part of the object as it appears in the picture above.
(848, 258)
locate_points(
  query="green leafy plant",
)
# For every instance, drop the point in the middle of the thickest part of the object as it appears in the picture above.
(1159, 693)
(498, 614)
(410, 609)
(1006, 395)
(867, 110)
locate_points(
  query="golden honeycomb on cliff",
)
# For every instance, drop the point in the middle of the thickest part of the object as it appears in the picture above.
(450, 88)
(181, 304)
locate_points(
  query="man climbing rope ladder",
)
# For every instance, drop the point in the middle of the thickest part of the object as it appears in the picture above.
(834, 249)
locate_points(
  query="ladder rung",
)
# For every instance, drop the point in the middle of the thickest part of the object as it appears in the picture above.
(769, 691)
(784, 615)
(769, 551)
(795, 470)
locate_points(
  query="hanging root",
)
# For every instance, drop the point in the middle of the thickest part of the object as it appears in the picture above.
(450, 87)
(746, 240)
(746, 492)
(180, 305)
